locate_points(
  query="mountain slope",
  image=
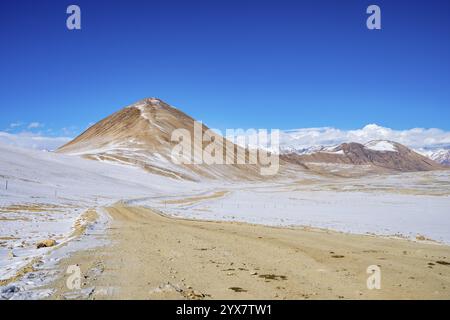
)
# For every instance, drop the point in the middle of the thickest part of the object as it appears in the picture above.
(379, 153)
(441, 156)
(140, 135)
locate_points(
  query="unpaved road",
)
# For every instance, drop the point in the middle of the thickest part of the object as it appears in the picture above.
(152, 256)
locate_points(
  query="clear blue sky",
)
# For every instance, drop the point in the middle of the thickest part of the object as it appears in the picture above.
(233, 64)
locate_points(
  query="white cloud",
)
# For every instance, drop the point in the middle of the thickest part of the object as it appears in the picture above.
(33, 141)
(70, 131)
(417, 138)
(15, 124)
(34, 125)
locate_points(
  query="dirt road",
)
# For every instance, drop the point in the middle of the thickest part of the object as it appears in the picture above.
(152, 256)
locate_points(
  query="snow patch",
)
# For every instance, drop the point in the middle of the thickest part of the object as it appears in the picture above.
(381, 145)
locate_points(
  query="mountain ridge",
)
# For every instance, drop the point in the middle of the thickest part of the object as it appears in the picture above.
(140, 135)
(380, 153)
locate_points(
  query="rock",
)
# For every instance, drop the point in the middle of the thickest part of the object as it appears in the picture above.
(198, 294)
(9, 291)
(11, 254)
(46, 243)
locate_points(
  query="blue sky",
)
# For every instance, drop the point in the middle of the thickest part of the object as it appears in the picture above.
(232, 64)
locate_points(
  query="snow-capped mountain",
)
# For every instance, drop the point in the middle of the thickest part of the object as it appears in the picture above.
(382, 145)
(441, 156)
(416, 138)
(379, 153)
(140, 135)
(305, 150)
(375, 145)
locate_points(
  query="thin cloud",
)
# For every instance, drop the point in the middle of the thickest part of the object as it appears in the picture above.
(69, 131)
(35, 125)
(31, 140)
(417, 138)
(15, 124)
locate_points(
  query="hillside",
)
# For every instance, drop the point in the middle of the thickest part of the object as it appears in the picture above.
(381, 154)
(140, 135)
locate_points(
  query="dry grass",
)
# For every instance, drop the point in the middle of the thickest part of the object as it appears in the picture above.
(87, 218)
(29, 267)
(31, 208)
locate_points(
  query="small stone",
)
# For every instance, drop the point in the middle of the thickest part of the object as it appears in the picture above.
(198, 294)
(46, 243)
(8, 291)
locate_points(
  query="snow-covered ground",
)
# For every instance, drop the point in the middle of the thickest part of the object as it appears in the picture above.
(43, 194)
(406, 205)
(48, 192)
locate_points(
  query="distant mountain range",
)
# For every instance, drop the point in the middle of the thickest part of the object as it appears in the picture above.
(379, 153)
(439, 155)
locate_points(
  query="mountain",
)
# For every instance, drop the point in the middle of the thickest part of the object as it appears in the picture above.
(140, 135)
(441, 156)
(286, 149)
(379, 153)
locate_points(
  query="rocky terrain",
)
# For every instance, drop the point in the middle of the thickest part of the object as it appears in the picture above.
(380, 154)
